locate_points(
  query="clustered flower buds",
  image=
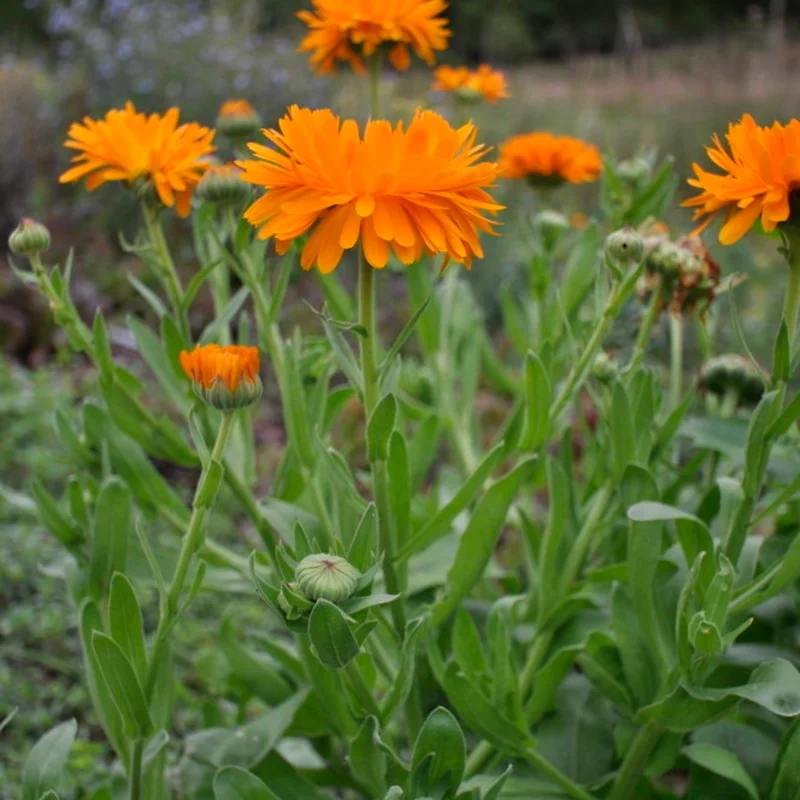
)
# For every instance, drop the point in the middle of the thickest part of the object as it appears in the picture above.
(683, 271)
(732, 375)
(29, 238)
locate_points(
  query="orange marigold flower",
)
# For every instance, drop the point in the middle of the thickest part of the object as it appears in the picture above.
(760, 172)
(350, 30)
(547, 159)
(130, 146)
(418, 190)
(238, 119)
(225, 377)
(484, 82)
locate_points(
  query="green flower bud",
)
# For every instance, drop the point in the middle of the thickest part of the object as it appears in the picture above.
(635, 171)
(326, 576)
(550, 225)
(237, 119)
(731, 372)
(467, 95)
(624, 248)
(605, 367)
(29, 238)
(667, 258)
(222, 185)
(705, 636)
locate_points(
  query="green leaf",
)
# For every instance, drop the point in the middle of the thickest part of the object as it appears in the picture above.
(334, 643)
(723, 763)
(156, 357)
(477, 543)
(401, 686)
(125, 623)
(124, 686)
(785, 783)
(367, 759)
(439, 525)
(682, 712)
(150, 297)
(558, 489)
(480, 714)
(295, 408)
(112, 523)
(261, 677)
(641, 674)
(403, 337)
(345, 357)
(102, 346)
(364, 544)
(693, 534)
(235, 783)
(468, 647)
(786, 419)
(781, 355)
(213, 331)
(45, 763)
(52, 516)
(623, 432)
(536, 385)
(441, 737)
(399, 488)
(380, 427)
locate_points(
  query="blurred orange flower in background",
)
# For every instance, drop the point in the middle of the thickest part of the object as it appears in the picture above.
(127, 145)
(484, 82)
(760, 172)
(417, 190)
(350, 30)
(546, 159)
(208, 364)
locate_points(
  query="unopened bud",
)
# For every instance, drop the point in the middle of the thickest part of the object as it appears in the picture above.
(605, 367)
(237, 119)
(29, 238)
(327, 577)
(634, 171)
(550, 224)
(222, 185)
(624, 248)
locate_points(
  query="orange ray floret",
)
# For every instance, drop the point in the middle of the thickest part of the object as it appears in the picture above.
(483, 82)
(543, 156)
(759, 174)
(209, 364)
(236, 108)
(127, 145)
(416, 190)
(350, 30)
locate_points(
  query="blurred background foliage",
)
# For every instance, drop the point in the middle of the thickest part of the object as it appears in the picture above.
(632, 77)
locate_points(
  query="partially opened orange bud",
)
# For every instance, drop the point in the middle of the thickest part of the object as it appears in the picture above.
(237, 119)
(224, 377)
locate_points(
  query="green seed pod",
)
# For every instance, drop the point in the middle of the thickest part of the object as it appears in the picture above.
(624, 248)
(326, 576)
(29, 238)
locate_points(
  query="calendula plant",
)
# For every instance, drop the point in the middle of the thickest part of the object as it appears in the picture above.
(584, 589)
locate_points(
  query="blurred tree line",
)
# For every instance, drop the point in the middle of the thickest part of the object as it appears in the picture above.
(503, 30)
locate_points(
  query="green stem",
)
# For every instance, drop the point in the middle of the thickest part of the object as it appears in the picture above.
(792, 299)
(635, 762)
(137, 754)
(168, 273)
(368, 344)
(584, 538)
(619, 294)
(542, 765)
(361, 690)
(648, 321)
(676, 359)
(192, 541)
